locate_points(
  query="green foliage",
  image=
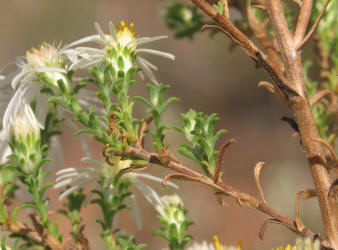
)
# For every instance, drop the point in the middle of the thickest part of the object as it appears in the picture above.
(127, 242)
(3, 245)
(327, 27)
(72, 211)
(156, 107)
(219, 7)
(52, 125)
(174, 226)
(111, 196)
(183, 19)
(198, 129)
(27, 159)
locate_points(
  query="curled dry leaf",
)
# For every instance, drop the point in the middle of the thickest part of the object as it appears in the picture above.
(177, 177)
(257, 172)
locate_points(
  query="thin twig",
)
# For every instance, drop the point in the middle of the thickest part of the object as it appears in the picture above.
(302, 194)
(314, 26)
(226, 12)
(329, 147)
(259, 31)
(275, 91)
(303, 20)
(319, 95)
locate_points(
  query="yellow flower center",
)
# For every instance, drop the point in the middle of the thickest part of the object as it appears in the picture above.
(219, 246)
(125, 33)
(46, 55)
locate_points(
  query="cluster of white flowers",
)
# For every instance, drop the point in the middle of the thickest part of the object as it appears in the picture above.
(18, 118)
(50, 64)
(23, 108)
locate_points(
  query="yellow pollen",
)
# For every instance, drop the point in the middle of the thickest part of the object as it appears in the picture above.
(125, 29)
(239, 245)
(217, 244)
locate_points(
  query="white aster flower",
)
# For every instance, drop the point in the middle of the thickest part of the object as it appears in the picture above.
(80, 177)
(119, 48)
(22, 123)
(202, 246)
(23, 131)
(40, 67)
(47, 63)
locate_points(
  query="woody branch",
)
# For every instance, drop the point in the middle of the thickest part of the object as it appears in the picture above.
(293, 89)
(243, 199)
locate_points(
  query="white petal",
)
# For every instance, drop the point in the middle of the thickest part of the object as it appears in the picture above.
(5, 80)
(69, 170)
(99, 30)
(144, 40)
(50, 69)
(156, 52)
(73, 189)
(65, 176)
(85, 63)
(5, 149)
(113, 31)
(62, 182)
(90, 50)
(91, 38)
(71, 54)
(92, 161)
(17, 78)
(134, 210)
(146, 70)
(149, 64)
(150, 194)
(154, 178)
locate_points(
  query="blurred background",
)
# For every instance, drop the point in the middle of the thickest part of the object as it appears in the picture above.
(206, 76)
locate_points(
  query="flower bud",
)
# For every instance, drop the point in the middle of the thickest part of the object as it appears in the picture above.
(23, 130)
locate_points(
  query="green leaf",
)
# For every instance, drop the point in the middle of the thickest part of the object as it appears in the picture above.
(187, 151)
(219, 7)
(31, 206)
(62, 86)
(60, 101)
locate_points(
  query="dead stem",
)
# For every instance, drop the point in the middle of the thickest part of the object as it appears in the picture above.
(246, 200)
(302, 194)
(303, 20)
(314, 26)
